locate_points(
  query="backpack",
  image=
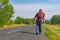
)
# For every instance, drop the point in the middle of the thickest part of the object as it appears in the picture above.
(39, 15)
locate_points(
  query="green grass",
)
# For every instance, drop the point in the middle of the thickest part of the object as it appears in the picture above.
(52, 32)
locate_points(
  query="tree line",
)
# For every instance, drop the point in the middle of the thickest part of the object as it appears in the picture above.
(20, 20)
(54, 20)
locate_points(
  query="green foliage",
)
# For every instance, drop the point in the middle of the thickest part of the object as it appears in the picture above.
(11, 22)
(55, 19)
(20, 20)
(4, 1)
(47, 21)
(29, 21)
(6, 12)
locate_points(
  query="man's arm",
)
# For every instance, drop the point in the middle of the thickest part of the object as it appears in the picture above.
(35, 16)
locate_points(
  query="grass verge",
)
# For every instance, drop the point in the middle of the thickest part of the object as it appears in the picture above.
(52, 31)
(12, 26)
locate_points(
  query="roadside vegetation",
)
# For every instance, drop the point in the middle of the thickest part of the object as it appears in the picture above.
(52, 31)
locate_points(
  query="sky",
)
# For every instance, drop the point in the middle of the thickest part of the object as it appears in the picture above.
(28, 8)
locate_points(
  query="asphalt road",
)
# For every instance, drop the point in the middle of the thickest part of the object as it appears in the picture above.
(21, 33)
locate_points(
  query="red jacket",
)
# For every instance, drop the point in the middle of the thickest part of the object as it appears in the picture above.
(40, 19)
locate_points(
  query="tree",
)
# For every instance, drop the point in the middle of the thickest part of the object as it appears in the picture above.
(55, 19)
(48, 21)
(6, 12)
(18, 20)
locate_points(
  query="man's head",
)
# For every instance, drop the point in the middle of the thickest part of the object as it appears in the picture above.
(40, 10)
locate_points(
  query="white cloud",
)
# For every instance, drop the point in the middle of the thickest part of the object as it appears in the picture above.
(29, 10)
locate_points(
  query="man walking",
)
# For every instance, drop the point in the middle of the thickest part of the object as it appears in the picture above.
(39, 17)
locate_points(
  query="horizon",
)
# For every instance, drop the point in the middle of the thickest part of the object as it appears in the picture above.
(28, 8)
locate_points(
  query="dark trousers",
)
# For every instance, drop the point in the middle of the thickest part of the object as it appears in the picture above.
(39, 26)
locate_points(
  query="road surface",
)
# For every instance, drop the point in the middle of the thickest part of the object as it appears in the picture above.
(21, 33)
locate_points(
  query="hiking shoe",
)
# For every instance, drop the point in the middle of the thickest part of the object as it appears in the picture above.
(37, 33)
